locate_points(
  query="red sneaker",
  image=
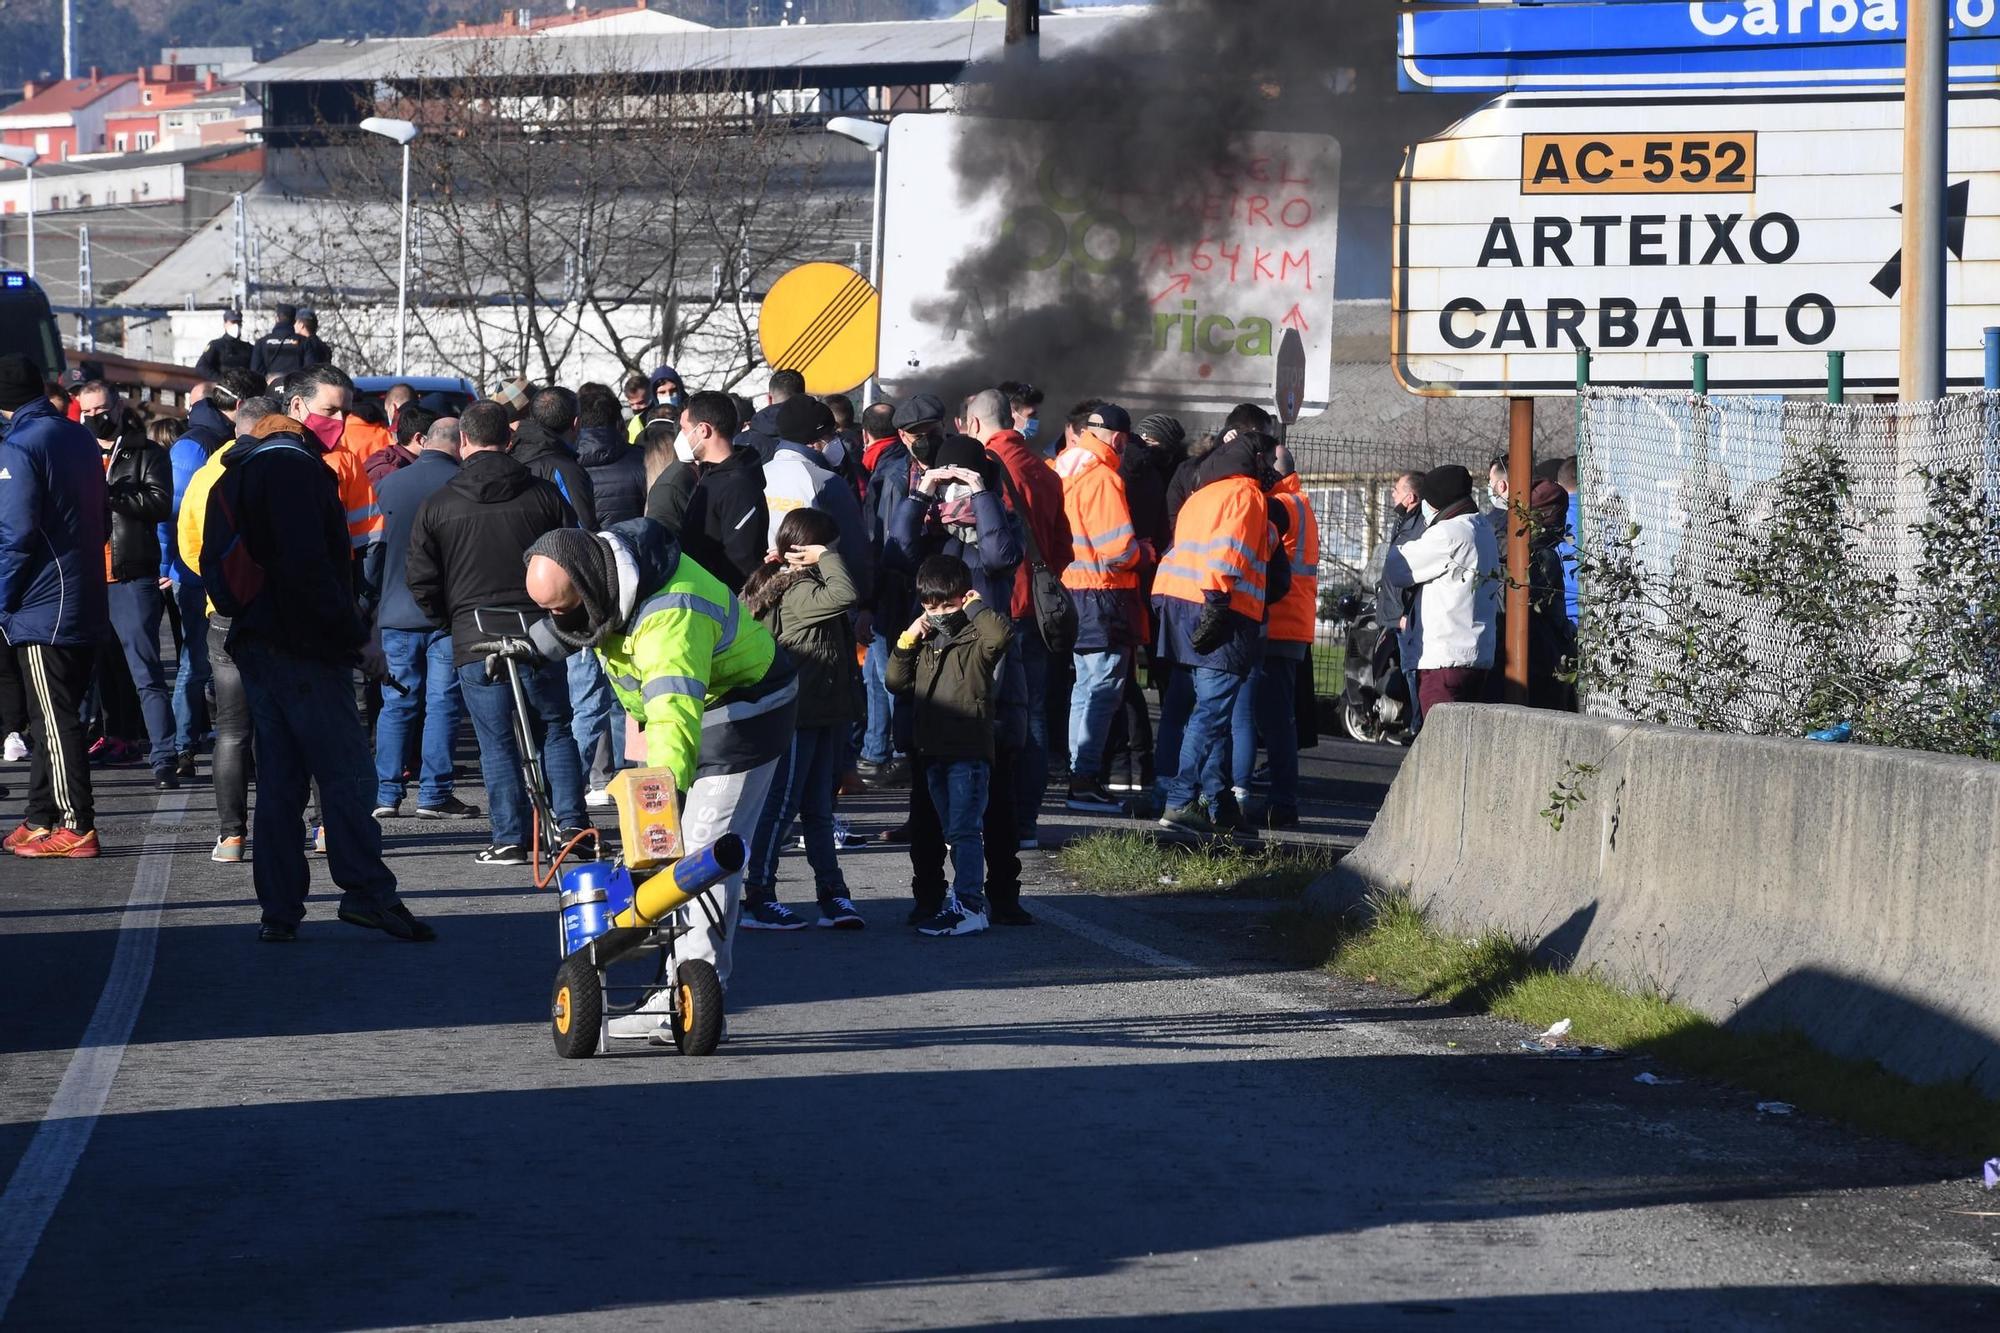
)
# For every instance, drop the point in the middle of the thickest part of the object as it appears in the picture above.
(61, 842)
(23, 835)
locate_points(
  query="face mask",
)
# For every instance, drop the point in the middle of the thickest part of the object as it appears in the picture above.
(325, 429)
(1031, 428)
(671, 398)
(103, 425)
(1430, 510)
(1495, 499)
(835, 452)
(925, 449)
(231, 330)
(684, 448)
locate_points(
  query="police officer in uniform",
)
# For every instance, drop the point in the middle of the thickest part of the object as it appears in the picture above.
(228, 352)
(283, 350)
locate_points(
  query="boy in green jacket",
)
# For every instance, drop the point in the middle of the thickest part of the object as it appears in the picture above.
(948, 660)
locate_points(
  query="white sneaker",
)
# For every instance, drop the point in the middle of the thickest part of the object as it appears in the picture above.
(639, 1027)
(16, 748)
(597, 798)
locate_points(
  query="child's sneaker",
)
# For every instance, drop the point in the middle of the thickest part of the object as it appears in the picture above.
(958, 916)
(770, 916)
(839, 914)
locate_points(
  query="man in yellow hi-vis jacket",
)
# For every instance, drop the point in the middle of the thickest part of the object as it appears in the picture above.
(714, 692)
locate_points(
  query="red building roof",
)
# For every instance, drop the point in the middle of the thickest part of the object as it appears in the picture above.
(66, 95)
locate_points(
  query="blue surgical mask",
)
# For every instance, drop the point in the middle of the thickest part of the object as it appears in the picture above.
(1031, 428)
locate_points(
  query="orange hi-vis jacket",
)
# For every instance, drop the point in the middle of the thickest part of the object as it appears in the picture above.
(1223, 540)
(1293, 616)
(1105, 552)
(357, 497)
(363, 439)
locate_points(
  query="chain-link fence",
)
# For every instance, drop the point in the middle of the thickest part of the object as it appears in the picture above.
(1779, 566)
(1349, 475)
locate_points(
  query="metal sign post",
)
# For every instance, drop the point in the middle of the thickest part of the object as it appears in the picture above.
(1520, 482)
(1921, 372)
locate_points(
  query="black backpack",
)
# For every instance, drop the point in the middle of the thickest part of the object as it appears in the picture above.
(229, 572)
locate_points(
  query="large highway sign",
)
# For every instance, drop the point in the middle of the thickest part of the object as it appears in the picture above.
(1226, 260)
(1627, 44)
(1764, 231)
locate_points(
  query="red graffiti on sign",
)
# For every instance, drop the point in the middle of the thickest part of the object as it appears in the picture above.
(1232, 263)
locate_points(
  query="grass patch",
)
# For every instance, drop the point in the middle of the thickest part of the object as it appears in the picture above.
(1493, 973)
(1132, 862)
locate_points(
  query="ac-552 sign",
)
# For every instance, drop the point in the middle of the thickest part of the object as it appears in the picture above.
(1638, 164)
(1762, 231)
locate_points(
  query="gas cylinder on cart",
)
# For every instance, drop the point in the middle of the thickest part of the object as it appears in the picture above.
(592, 894)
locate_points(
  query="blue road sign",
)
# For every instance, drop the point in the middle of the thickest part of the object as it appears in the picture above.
(1669, 44)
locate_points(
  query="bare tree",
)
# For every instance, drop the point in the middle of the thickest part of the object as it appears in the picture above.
(612, 214)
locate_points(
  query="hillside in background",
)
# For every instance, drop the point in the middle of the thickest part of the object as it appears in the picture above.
(122, 34)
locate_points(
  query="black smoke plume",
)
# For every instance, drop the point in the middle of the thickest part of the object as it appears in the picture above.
(1155, 108)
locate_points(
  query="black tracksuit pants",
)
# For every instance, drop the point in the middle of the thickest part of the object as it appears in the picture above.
(58, 681)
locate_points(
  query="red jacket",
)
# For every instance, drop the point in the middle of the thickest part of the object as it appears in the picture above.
(1038, 483)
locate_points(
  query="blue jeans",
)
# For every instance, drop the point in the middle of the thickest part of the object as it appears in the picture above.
(878, 741)
(802, 786)
(136, 607)
(591, 722)
(958, 792)
(1199, 770)
(491, 705)
(1031, 763)
(1176, 702)
(419, 661)
(1267, 704)
(191, 674)
(307, 730)
(1100, 684)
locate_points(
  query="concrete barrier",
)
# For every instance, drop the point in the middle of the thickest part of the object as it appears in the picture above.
(1850, 892)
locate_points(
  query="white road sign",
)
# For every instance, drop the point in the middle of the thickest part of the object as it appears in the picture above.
(1765, 231)
(1259, 261)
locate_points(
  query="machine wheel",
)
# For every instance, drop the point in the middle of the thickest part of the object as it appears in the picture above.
(697, 1007)
(576, 1012)
(1359, 722)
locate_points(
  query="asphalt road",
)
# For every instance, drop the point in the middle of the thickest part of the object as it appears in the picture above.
(1131, 1115)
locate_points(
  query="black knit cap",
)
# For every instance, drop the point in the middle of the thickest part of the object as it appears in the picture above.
(20, 382)
(591, 566)
(804, 420)
(1446, 486)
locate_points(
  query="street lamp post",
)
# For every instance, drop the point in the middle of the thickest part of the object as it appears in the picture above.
(25, 158)
(402, 132)
(874, 136)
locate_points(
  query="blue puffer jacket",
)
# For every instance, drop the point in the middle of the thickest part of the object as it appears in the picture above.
(207, 431)
(914, 536)
(53, 511)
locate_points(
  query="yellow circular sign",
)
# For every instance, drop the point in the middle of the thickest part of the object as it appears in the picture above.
(822, 320)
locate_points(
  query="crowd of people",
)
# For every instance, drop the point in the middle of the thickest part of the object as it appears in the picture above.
(782, 605)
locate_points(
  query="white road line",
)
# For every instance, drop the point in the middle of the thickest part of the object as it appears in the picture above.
(45, 1169)
(1382, 1036)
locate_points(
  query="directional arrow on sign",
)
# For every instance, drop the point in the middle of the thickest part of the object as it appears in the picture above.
(1294, 320)
(1890, 280)
(1180, 284)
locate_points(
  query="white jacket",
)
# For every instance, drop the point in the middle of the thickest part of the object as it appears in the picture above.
(1456, 564)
